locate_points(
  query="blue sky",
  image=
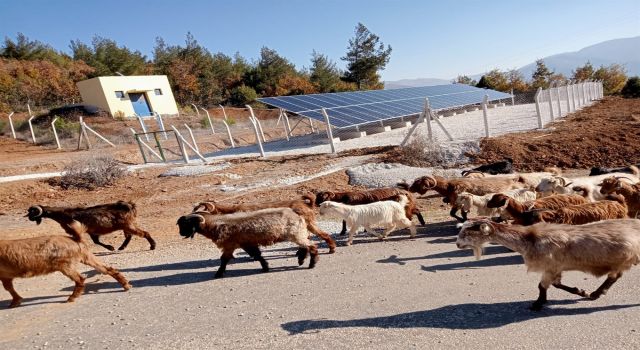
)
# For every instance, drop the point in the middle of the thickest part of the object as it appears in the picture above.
(436, 39)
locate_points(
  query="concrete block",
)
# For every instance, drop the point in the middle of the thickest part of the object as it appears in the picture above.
(346, 135)
(397, 124)
(375, 129)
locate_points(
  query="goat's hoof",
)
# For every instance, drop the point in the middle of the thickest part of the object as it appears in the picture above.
(126, 286)
(342, 233)
(153, 247)
(71, 299)
(109, 248)
(593, 296)
(583, 293)
(121, 248)
(332, 250)
(265, 269)
(15, 303)
(218, 275)
(536, 306)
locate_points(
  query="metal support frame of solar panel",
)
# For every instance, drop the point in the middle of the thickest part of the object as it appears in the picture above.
(349, 109)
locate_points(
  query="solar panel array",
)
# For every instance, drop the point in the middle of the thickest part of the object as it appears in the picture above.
(347, 109)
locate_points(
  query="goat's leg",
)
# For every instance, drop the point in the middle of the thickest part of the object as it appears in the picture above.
(224, 260)
(256, 254)
(352, 231)
(77, 278)
(313, 255)
(313, 228)
(420, 218)
(344, 228)
(388, 231)
(7, 283)
(134, 230)
(91, 260)
(453, 212)
(125, 243)
(412, 228)
(544, 284)
(96, 240)
(611, 279)
(573, 290)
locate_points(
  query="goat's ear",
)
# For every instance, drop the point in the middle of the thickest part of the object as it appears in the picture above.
(486, 229)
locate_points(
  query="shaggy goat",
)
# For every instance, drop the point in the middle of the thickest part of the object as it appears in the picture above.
(302, 207)
(632, 169)
(501, 167)
(631, 193)
(390, 214)
(579, 214)
(371, 196)
(588, 185)
(249, 231)
(516, 210)
(467, 200)
(47, 254)
(97, 220)
(608, 247)
(450, 188)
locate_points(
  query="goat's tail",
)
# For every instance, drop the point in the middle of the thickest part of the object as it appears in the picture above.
(127, 206)
(634, 170)
(403, 200)
(76, 230)
(581, 190)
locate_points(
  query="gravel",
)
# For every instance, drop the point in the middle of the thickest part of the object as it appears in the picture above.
(388, 174)
(195, 170)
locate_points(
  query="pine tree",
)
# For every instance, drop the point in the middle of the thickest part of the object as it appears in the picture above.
(541, 76)
(366, 56)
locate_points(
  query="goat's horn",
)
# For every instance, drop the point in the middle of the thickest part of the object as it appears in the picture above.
(568, 184)
(40, 210)
(200, 217)
(623, 177)
(432, 178)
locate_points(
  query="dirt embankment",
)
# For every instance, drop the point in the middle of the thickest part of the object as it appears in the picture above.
(605, 134)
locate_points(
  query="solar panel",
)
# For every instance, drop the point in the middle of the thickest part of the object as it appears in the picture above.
(347, 109)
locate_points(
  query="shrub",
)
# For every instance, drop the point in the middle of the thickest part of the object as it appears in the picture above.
(231, 121)
(91, 173)
(242, 95)
(420, 151)
(632, 88)
(66, 128)
(204, 122)
(3, 125)
(119, 116)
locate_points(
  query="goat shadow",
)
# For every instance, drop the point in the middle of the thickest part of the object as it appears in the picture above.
(455, 317)
(459, 253)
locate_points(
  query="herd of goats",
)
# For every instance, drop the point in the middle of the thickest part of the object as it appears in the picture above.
(557, 223)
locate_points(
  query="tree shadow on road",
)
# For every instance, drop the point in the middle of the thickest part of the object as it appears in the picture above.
(462, 316)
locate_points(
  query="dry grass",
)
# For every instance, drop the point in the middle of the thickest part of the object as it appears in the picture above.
(421, 152)
(91, 173)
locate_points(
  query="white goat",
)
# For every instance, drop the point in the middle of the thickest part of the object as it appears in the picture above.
(389, 214)
(588, 186)
(467, 200)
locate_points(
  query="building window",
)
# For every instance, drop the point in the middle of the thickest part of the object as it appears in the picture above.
(158, 91)
(120, 94)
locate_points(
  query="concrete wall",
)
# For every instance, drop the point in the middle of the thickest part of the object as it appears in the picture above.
(101, 92)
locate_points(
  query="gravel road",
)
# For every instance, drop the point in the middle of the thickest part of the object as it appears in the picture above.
(398, 294)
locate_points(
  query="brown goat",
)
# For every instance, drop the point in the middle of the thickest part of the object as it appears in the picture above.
(450, 188)
(96, 221)
(516, 209)
(371, 196)
(580, 214)
(631, 193)
(47, 254)
(302, 207)
(249, 231)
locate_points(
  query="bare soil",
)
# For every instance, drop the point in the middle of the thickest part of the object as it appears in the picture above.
(605, 134)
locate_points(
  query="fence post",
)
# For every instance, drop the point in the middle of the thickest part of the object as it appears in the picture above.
(313, 129)
(13, 131)
(559, 104)
(549, 95)
(144, 157)
(576, 95)
(584, 93)
(144, 127)
(161, 125)
(233, 144)
(193, 139)
(424, 115)
(87, 127)
(284, 126)
(485, 116)
(513, 100)
(566, 90)
(286, 123)
(155, 136)
(536, 98)
(29, 109)
(213, 132)
(33, 135)
(255, 128)
(223, 112)
(196, 108)
(55, 133)
(83, 133)
(329, 131)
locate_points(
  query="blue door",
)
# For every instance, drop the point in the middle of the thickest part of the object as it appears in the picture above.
(140, 104)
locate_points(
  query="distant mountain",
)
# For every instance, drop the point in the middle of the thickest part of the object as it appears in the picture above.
(404, 83)
(625, 51)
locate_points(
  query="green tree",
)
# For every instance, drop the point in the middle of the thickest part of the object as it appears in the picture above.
(242, 95)
(613, 78)
(632, 88)
(583, 73)
(268, 72)
(463, 79)
(24, 49)
(541, 76)
(366, 56)
(516, 81)
(495, 79)
(324, 74)
(107, 58)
